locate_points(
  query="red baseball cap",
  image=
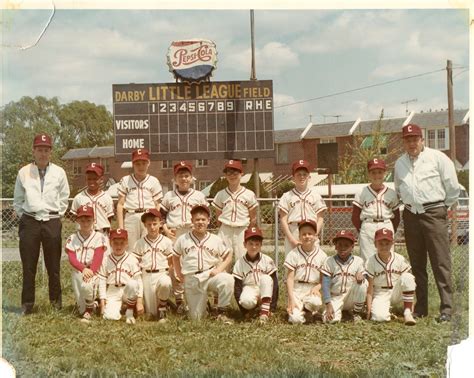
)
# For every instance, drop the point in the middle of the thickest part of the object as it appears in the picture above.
(119, 233)
(96, 168)
(234, 164)
(183, 165)
(344, 234)
(42, 140)
(308, 222)
(384, 233)
(411, 130)
(204, 208)
(85, 211)
(253, 232)
(376, 163)
(151, 213)
(140, 154)
(298, 164)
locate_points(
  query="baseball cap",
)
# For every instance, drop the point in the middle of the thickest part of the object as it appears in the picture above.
(151, 213)
(376, 163)
(119, 233)
(197, 208)
(85, 211)
(95, 167)
(253, 232)
(140, 154)
(234, 164)
(384, 233)
(411, 130)
(344, 234)
(298, 164)
(42, 140)
(183, 165)
(308, 222)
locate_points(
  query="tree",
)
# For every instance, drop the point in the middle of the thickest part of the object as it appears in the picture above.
(251, 185)
(463, 178)
(219, 184)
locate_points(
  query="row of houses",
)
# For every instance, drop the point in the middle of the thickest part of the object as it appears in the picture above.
(291, 145)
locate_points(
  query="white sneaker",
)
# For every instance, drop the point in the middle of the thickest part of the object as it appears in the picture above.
(409, 319)
(86, 318)
(129, 316)
(162, 316)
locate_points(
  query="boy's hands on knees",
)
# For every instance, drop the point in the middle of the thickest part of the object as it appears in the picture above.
(316, 290)
(140, 309)
(329, 311)
(359, 278)
(290, 307)
(87, 274)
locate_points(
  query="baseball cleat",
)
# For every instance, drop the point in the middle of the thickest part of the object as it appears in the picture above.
(263, 318)
(444, 318)
(129, 316)
(86, 318)
(130, 320)
(409, 319)
(181, 309)
(356, 318)
(162, 316)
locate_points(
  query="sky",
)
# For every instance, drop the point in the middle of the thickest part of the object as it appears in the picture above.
(307, 53)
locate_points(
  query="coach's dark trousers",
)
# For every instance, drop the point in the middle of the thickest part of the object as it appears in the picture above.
(34, 233)
(427, 235)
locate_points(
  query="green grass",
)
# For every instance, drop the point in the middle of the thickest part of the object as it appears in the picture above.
(50, 343)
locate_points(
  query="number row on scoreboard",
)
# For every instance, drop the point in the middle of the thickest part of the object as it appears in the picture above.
(209, 106)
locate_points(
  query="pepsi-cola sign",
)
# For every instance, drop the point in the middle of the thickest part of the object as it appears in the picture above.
(192, 60)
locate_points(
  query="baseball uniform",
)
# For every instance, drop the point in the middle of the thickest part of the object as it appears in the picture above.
(120, 282)
(345, 292)
(390, 282)
(85, 253)
(153, 258)
(300, 206)
(307, 269)
(198, 258)
(234, 216)
(139, 196)
(102, 204)
(256, 281)
(376, 211)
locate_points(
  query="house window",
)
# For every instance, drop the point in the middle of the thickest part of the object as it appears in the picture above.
(76, 167)
(282, 153)
(437, 138)
(327, 140)
(203, 184)
(165, 164)
(105, 164)
(202, 163)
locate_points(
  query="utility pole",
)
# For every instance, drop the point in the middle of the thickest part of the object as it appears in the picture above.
(452, 133)
(406, 104)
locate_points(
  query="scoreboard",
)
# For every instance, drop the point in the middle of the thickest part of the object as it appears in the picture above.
(179, 121)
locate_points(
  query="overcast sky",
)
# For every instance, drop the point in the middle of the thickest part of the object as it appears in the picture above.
(307, 54)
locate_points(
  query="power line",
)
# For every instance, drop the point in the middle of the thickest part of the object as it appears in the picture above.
(459, 73)
(360, 88)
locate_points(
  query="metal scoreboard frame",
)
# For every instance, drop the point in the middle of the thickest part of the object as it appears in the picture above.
(179, 121)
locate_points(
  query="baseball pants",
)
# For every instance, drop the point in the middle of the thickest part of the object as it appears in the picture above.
(384, 298)
(178, 287)
(427, 235)
(251, 294)
(134, 226)
(32, 234)
(84, 292)
(234, 239)
(367, 236)
(356, 294)
(296, 233)
(117, 295)
(304, 300)
(197, 287)
(156, 287)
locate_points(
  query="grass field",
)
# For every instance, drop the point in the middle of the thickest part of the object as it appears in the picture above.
(50, 343)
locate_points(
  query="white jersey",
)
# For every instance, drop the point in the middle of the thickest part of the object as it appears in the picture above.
(386, 275)
(235, 207)
(306, 265)
(102, 204)
(178, 206)
(199, 255)
(301, 205)
(342, 273)
(140, 195)
(376, 206)
(153, 254)
(84, 248)
(250, 272)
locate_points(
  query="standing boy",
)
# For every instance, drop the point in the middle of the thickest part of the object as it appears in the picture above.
(375, 207)
(300, 204)
(390, 281)
(303, 279)
(236, 209)
(137, 192)
(255, 277)
(154, 254)
(200, 260)
(85, 250)
(120, 281)
(344, 286)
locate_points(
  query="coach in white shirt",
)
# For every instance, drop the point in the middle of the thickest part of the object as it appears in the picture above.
(426, 181)
(40, 199)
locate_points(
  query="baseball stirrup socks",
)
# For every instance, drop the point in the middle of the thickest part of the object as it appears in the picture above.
(265, 307)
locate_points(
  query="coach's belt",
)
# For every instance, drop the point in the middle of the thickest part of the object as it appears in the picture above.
(427, 205)
(156, 270)
(387, 287)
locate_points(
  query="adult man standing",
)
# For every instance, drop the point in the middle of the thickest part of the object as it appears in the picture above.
(40, 199)
(426, 182)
